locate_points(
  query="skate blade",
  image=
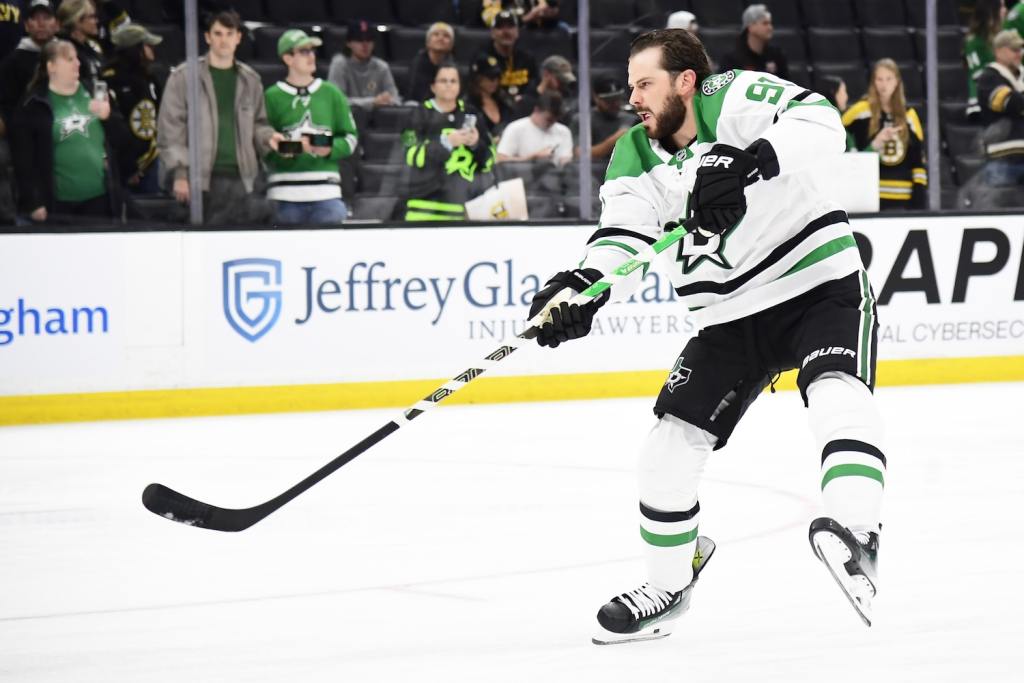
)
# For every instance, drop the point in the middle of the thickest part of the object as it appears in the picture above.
(609, 638)
(858, 590)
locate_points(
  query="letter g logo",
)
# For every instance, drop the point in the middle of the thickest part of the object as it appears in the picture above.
(252, 295)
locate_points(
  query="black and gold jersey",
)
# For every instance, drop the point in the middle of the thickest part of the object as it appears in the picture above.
(902, 178)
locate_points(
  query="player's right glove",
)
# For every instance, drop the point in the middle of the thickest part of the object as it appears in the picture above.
(719, 201)
(567, 321)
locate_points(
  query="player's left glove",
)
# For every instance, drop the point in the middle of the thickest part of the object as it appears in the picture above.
(567, 321)
(718, 198)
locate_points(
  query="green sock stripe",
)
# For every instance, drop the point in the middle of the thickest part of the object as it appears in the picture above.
(852, 471)
(672, 541)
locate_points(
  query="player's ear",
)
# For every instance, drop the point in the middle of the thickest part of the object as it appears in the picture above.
(687, 82)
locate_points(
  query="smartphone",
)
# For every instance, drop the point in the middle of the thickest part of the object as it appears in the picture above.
(321, 139)
(289, 147)
(99, 91)
(469, 122)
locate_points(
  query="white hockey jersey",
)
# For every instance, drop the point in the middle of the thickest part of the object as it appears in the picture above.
(790, 239)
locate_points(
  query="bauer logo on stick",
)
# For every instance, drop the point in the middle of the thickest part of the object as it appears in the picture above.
(252, 295)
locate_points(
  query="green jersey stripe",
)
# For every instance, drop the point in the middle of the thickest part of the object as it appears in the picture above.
(671, 541)
(852, 471)
(823, 252)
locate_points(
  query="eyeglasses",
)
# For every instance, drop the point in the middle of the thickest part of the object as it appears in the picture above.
(304, 51)
(447, 81)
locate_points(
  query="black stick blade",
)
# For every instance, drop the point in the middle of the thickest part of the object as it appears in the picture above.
(178, 507)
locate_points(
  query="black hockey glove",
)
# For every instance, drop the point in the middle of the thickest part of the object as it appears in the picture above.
(568, 321)
(718, 198)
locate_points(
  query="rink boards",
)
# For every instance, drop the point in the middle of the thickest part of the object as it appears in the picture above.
(97, 326)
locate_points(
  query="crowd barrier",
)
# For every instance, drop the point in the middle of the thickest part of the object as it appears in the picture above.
(131, 325)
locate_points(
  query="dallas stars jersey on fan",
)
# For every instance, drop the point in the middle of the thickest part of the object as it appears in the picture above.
(789, 241)
(319, 109)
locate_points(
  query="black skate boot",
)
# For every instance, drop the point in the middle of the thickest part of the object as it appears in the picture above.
(647, 612)
(851, 559)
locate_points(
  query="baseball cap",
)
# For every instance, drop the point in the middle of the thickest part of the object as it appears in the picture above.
(560, 67)
(505, 18)
(130, 35)
(608, 88)
(754, 14)
(294, 38)
(487, 66)
(37, 5)
(681, 19)
(1007, 38)
(360, 29)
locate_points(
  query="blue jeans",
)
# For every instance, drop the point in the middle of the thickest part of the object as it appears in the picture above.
(322, 212)
(1003, 172)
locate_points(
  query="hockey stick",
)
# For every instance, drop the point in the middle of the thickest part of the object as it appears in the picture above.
(178, 507)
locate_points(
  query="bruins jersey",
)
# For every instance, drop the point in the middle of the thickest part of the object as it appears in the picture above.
(902, 178)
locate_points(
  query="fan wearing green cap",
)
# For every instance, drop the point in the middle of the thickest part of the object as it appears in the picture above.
(314, 117)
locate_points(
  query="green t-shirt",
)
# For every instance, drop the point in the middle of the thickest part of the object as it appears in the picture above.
(1015, 18)
(79, 150)
(225, 82)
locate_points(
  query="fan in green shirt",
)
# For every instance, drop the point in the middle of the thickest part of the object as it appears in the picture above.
(986, 22)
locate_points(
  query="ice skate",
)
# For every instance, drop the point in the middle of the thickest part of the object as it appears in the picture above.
(852, 561)
(647, 613)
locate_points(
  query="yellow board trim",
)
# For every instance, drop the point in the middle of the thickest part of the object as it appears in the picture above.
(126, 405)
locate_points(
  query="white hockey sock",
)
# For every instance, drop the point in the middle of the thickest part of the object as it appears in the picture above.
(671, 462)
(848, 431)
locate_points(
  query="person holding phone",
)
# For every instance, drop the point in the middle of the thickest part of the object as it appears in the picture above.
(318, 129)
(447, 147)
(63, 149)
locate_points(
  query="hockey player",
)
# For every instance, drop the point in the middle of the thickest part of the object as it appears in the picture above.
(777, 282)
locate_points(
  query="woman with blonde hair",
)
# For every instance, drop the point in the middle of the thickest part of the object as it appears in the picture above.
(882, 122)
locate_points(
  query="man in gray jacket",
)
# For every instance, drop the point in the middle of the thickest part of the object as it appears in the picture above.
(234, 132)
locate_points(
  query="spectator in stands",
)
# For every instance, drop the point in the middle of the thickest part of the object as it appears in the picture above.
(834, 90)
(684, 20)
(882, 122)
(531, 13)
(519, 74)
(1001, 94)
(608, 121)
(556, 76)
(447, 148)
(65, 142)
(305, 185)
(18, 68)
(539, 136)
(986, 21)
(79, 24)
(137, 96)
(366, 80)
(234, 132)
(484, 77)
(440, 43)
(754, 51)
(1015, 18)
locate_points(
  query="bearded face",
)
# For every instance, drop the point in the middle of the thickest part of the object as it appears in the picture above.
(670, 119)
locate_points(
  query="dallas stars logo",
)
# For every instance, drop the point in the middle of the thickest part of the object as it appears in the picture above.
(74, 123)
(695, 249)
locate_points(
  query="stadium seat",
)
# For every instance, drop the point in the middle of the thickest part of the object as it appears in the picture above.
(539, 178)
(469, 13)
(264, 42)
(612, 13)
(952, 82)
(946, 10)
(543, 44)
(379, 11)
(799, 73)
(539, 207)
(391, 119)
(785, 14)
(381, 147)
(913, 81)
(370, 207)
(828, 13)
(146, 12)
(719, 41)
(172, 50)
(950, 44)
(834, 45)
(791, 42)
(894, 43)
(404, 42)
(470, 42)
(966, 166)
(609, 46)
(400, 72)
(380, 179)
(422, 14)
(962, 140)
(270, 72)
(852, 73)
(717, 13)
(288, 12)
(876, 13)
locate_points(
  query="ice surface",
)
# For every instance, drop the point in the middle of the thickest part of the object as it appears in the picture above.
(478, 544)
